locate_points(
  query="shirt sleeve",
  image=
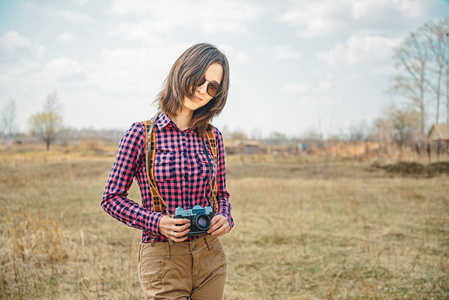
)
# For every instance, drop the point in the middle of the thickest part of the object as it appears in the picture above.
(115, 201)
(222, 194)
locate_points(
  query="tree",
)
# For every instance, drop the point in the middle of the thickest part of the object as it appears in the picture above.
(405, 127)
(422, 61)
(47, 124)
(412, 58)
(438, 43)
(8, 122)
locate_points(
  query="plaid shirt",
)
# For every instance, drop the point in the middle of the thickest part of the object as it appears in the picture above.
(181, 170)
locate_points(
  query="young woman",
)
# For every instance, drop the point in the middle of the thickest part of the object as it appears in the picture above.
(171, 264)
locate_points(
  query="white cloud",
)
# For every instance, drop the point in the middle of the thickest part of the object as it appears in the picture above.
(133, 70)
(12, 40)
(296, 88)
(146, 31)
(313, 18)
(326, 17)
(412, 8)
(65, 69)
(66, 37)
(234, 55)
(407, 8)
(75, 17)
(320, 100)
(357, 49)
(324, 86)
(166, 16)
(286, 52)
(307, 88)
(14, 47)
(71, 15)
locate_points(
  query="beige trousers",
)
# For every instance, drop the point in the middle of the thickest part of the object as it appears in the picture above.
(188, 270)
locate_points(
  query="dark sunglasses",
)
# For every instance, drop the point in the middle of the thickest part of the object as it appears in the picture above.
(213, 88)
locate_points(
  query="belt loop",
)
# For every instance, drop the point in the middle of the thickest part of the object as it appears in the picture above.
(169, 246)
(207, 243)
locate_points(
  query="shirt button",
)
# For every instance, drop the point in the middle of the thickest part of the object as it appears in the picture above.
(184, 153)
(193, 247)
(183, 133)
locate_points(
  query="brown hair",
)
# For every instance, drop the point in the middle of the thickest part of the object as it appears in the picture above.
(188, 69)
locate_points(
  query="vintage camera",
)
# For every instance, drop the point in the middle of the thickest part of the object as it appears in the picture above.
(199, 217)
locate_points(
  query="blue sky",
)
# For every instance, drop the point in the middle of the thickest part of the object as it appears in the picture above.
(295, 65)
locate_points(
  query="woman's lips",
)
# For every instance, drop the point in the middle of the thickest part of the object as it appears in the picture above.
(198, 98)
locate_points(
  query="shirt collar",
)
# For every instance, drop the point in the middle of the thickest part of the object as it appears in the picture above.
(163, 120)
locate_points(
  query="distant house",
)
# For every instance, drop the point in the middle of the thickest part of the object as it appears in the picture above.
(439, 137)
(243, 147)
(439, 133)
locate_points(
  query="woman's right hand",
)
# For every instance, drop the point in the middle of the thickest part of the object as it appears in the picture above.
(174, 229)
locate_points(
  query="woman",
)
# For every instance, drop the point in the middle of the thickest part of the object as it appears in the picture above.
(193, 267)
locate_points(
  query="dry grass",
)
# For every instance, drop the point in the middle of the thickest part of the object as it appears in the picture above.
(305, 229)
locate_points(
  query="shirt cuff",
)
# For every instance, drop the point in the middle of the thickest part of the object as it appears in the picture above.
(153, 223)
(230, 220)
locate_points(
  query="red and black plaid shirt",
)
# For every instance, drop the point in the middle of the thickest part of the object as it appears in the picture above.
(181, 170)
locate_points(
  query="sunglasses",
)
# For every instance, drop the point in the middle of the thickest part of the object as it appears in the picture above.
(213, 88)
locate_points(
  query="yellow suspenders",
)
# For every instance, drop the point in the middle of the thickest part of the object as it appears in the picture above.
(150, 153)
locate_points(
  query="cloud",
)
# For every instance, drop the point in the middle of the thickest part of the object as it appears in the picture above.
(307, 88)
(66, 37)
(296, 88)
(327, 17)
(407, 8)
(64, 69)
(134, 70)
(233, 55)
(357, 49)
(75, 17)
(320, 100)
(166, 16)
(146, 31)
(14, 47)
(313, 18)
(286, 52)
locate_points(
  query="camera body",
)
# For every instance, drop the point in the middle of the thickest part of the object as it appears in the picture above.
(200, 219)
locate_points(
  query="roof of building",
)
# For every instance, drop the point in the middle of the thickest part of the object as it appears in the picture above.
(439, 132)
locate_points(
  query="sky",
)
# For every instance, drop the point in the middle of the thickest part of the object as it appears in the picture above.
(296, 65)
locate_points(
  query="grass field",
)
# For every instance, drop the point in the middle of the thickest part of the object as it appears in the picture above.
(305, 229)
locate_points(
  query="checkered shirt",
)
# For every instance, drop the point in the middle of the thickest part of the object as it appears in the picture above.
(181, 170)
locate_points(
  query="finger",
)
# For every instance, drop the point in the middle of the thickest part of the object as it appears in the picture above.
(217, 224)
(179, 228)
(175, 236)
(183, 233)
(222, 230)
(179, 221)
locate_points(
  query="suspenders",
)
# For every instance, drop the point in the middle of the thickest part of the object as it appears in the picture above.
(150, 153)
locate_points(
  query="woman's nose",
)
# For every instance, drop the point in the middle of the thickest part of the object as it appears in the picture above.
(202, 88)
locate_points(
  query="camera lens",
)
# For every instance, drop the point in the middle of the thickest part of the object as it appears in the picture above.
(203, 222)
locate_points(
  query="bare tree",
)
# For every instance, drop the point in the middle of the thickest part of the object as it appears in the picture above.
(423, 62)
(48, 123)
(412, 58)
(437, 42)
(9, 115)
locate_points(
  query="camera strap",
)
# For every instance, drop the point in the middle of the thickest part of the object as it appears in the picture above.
(150, 154)
(212, 184)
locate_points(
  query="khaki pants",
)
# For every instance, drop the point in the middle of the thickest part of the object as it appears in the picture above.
(188, 270)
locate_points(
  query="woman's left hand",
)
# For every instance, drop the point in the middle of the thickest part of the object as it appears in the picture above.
(219, 226)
